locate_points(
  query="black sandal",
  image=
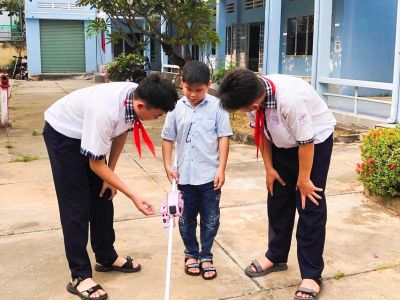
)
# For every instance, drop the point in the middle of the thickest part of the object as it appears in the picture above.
(126, 268)
(72, 288)
(276, 267)
(192, 266)
(310, 292)
(206, 270)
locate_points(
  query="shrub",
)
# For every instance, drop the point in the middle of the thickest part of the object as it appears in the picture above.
(219, 73)
(10, 67)
(126, 67)
(379, 170)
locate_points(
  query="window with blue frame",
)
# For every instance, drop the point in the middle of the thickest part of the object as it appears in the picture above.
(300, 32)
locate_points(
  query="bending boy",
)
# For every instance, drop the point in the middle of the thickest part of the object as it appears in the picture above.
(80, 129)
(293, 128)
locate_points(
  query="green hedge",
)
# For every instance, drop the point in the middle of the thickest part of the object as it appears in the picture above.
(379, 170)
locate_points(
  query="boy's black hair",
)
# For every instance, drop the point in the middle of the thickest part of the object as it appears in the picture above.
(239, 88)
(157, 92)
(195, 72)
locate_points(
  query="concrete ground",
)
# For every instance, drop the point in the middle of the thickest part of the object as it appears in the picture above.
(362, 252)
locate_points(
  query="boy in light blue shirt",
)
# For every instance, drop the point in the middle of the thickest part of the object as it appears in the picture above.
(201, 129)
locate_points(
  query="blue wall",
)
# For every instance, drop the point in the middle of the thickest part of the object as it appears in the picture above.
(368, 42)
(33, 46)
(366, 31)
(336, 37)
(242, 15)
(294, 64)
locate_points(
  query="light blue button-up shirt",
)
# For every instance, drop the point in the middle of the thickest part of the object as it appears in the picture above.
(196, 131)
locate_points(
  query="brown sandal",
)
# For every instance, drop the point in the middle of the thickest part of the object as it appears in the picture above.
(206, 270)
(188, 267)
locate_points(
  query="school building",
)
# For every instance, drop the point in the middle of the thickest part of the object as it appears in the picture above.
(348, 49)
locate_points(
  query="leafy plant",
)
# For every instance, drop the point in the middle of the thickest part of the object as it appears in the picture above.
(126, 67)
(379, 170)
(173, 24)
(10, 66)
(338, 275)
(25, 159)
(220, 72)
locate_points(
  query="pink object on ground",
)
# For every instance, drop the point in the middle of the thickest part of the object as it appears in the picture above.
(172, 207)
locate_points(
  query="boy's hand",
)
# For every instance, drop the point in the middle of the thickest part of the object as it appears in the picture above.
(308, 190)
(273, 175)
(171, 174)
(144, 206)
(105, 187)
(219, 180)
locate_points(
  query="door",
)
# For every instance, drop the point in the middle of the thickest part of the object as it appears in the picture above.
(62, 45)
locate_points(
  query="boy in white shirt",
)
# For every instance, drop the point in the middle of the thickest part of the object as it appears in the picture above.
(80, 130)
(293, 129)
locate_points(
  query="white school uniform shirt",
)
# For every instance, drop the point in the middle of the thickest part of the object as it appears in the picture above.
(95, 115)
(301, 116)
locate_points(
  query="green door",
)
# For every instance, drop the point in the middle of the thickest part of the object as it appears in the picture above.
(62, 45)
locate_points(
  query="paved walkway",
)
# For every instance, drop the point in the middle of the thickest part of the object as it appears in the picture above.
(362, 249)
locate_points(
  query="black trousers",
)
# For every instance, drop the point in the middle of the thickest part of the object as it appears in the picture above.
(312, 220)
(78, 189)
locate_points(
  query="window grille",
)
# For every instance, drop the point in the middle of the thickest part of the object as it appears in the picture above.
(230, 8)
(250, 4)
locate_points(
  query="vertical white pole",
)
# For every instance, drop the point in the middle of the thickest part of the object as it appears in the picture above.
(170, 231)
(4, 107)
(169, 258)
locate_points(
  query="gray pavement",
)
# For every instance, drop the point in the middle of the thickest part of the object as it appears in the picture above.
(362, 252)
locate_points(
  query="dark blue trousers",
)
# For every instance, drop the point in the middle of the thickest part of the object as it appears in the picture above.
(312, 220)
(204, 200)
(78, 189)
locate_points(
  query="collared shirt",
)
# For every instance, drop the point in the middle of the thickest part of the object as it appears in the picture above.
(95, 115)
(270, 97)
(130, 115)
(300, 116)
(196, 131)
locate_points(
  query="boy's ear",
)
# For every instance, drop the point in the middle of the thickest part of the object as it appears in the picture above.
(139, 103)
(209, 83)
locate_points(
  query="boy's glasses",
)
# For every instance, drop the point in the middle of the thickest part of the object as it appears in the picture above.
(189, 137)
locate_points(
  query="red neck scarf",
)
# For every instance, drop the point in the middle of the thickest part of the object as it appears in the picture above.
(137, 128)
(259, 129)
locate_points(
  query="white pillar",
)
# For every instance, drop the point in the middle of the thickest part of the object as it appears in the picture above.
(221, 30)
(395, 107)
(164, 57)
(322, 43)
(4, 107)
(272, 36)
